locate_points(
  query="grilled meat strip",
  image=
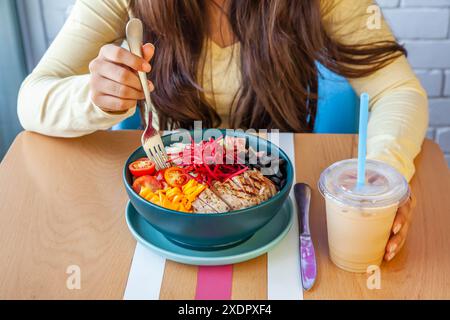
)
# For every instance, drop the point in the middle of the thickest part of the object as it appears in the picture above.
(200, 206)
(209, 202)
(246, 190)
(255, 180)
(232, 195)
(214, 201)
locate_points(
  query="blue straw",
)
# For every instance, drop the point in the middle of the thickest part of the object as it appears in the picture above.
(362, 145)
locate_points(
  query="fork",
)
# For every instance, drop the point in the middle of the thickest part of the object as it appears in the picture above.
(151, 139)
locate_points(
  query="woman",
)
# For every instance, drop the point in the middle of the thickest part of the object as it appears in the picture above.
(237, 63)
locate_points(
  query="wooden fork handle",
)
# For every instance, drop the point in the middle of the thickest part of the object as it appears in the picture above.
(135, 36)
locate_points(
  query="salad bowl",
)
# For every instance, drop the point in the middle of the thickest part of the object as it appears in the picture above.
(211, 231)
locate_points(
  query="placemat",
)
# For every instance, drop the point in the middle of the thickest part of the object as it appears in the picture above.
(147, 270)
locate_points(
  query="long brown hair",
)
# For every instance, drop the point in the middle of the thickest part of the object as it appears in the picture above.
(281, 41)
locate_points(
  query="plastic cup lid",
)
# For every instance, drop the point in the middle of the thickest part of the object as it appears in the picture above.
(384, 186)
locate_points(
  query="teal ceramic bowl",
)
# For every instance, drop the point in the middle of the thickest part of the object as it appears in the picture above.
(211, 231)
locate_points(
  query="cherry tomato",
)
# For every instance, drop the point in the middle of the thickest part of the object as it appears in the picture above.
(142, 167)
(148, 182)
(176, 177)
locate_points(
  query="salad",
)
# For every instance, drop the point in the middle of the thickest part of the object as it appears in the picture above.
(210, 177)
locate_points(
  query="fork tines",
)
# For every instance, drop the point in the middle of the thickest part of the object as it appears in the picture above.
(158, 154)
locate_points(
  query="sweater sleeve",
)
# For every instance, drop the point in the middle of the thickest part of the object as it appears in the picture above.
(399, 105)
(55, 98)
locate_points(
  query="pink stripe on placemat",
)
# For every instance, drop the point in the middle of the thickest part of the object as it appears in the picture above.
(214, 283)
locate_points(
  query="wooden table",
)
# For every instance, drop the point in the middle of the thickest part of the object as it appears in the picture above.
(62, 203)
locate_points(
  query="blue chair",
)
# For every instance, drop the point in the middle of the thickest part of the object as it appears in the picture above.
(338, 105)
(337, 110)
(131, 123)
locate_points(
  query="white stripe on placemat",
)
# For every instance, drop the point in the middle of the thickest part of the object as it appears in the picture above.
(146, 275)
(284, 280)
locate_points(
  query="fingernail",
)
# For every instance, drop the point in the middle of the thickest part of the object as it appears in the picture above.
(397, 228)
(150, 45)
(391, 256)
(151, 86)
(393, 248)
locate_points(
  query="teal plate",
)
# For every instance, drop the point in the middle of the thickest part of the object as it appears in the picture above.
(262, 242)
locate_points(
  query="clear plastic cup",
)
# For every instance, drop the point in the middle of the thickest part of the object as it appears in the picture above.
(359, 220)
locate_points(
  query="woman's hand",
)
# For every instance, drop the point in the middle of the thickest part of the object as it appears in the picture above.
(400, 229)
(115, 85)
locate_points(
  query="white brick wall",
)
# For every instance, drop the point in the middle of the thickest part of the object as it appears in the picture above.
(424, 27)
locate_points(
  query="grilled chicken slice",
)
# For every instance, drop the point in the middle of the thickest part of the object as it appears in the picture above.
(255, 184)
(223, 191)
(200, 206)
(267, 188)
(214, 201)
(246, 184)
(246, 190)
(209, 202)
(234, 195)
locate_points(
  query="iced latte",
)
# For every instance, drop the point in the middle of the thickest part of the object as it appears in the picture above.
(359, 219)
